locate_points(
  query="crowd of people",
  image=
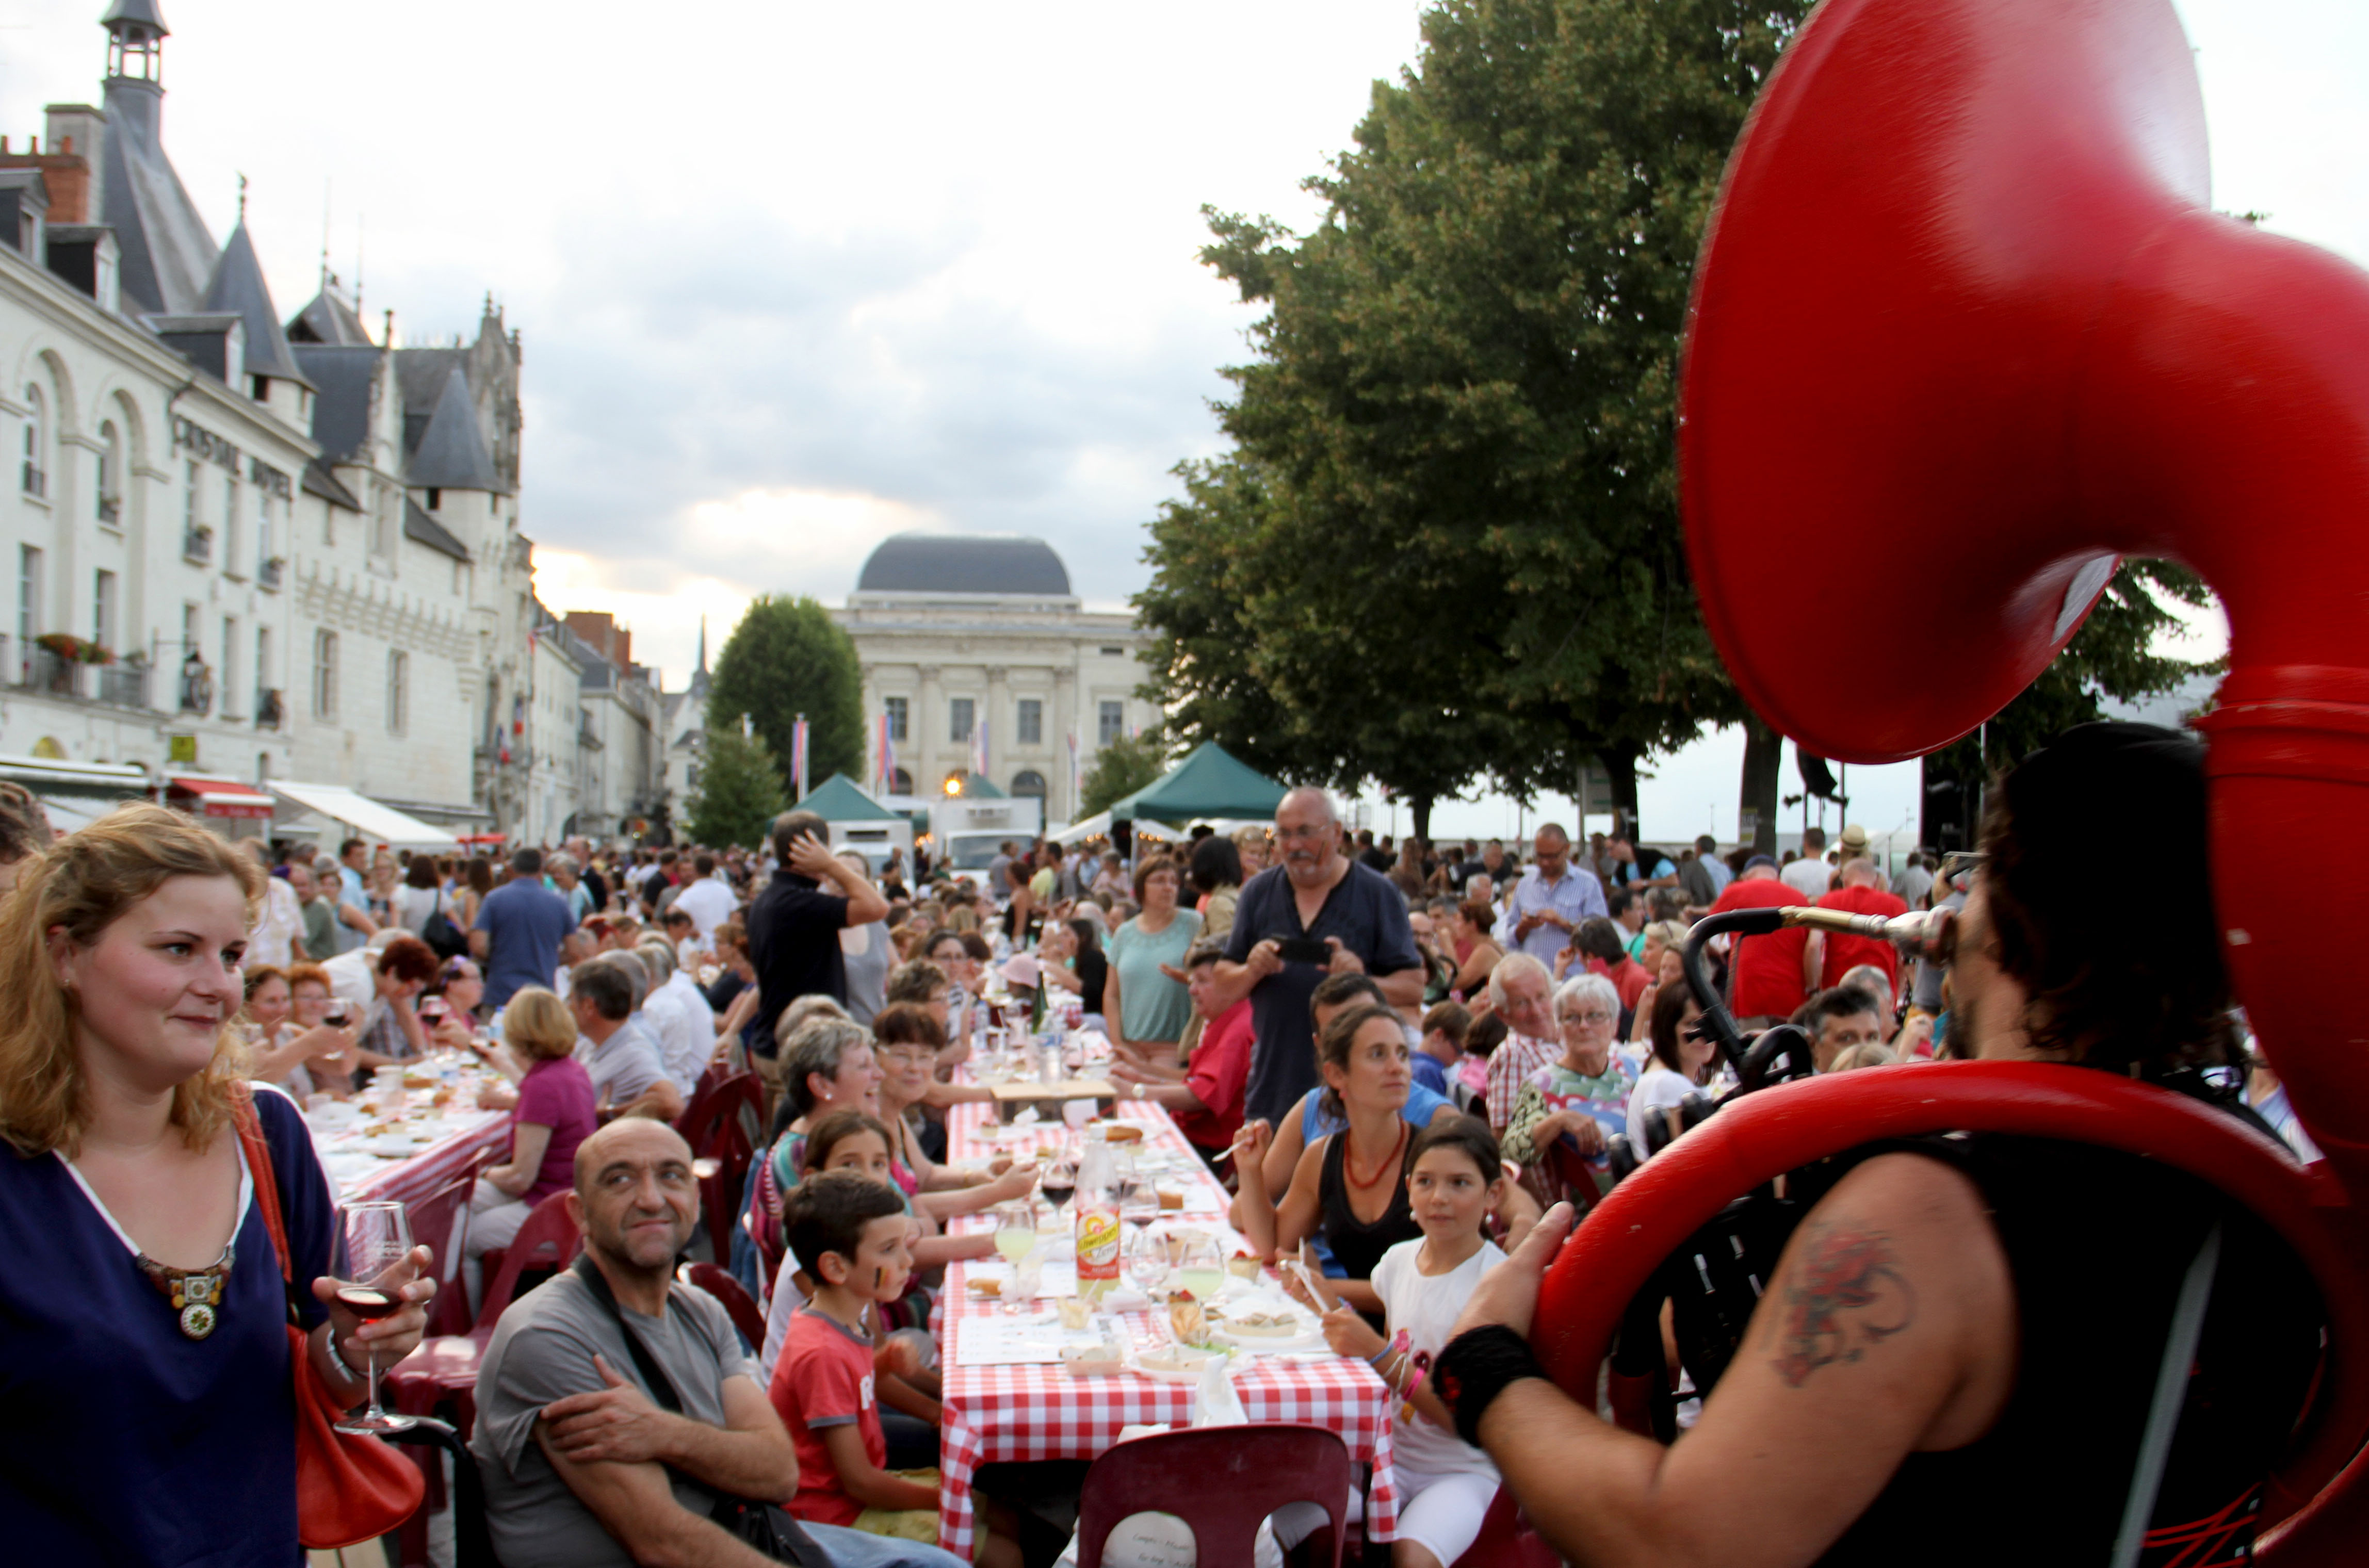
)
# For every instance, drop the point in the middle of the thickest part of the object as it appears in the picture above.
(1405, 1061)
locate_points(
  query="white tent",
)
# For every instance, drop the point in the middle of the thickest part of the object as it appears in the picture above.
(1098, 826)
(368, 818)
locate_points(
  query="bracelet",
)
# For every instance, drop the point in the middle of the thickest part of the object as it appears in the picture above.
(1476, 1367)
(329, 1343)
(1406, 1395)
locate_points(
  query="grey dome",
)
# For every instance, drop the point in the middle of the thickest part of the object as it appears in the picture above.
(964, 563)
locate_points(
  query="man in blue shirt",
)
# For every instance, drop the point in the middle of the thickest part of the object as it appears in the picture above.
(1553, 896)
(518, 928)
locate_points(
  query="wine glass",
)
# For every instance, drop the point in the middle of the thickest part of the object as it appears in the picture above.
(1201, 1270)
(1138, 1203)
(378, 1237)
(1015, 1238)
(1060, 1181)
(1147, 1263)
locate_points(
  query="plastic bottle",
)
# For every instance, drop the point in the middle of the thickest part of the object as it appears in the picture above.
(1097, 1221)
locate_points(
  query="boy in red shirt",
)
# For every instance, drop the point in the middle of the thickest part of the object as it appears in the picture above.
(1771, 975)
(850, 1236)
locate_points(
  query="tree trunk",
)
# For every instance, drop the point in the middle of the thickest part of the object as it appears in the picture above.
(1764, 757)
(1622, 767)
(1421, 806)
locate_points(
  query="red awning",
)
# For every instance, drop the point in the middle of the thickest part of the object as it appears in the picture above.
(224, 797)
(482, 838)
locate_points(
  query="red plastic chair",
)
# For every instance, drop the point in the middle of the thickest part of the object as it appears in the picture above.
(1506, 1541)
(444, 1369)
(732, 1296)
(722, 1126)
(1221, 1480)
(434, 1222)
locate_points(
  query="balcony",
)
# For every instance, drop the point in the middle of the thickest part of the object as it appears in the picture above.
(110, 510)
(268, 573)
(267, 707)
(126, 685)
(198, 546)
(52, 674)
(37, 481)
(197, 687)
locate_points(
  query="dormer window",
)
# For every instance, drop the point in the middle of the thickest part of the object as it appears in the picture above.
(260, 387)
(435, 498)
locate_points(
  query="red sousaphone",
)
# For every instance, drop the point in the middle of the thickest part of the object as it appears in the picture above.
(1965, 319)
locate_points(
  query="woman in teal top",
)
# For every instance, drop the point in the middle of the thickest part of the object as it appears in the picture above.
(1144, 1009)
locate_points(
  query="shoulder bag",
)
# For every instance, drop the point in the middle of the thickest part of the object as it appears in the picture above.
(763, 1527)
(440, 934)
(349, 1487)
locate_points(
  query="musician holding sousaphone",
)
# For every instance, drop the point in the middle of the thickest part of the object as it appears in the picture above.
(1956, 1359)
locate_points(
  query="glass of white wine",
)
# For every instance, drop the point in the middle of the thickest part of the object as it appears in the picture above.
(1202, 1270)
(1015, 1238)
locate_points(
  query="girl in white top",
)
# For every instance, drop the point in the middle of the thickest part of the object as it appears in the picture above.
(1679, 1065)
(1456, 1179)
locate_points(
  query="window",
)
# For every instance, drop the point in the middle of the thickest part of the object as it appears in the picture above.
(435, 498)
(1113, 653)
(1029, 783)
(37, 442)
(110, 475)
(262, 669)
(1032, 721)
(896, 718)
(29, 600)
(324, 674)
(958, 718)
(262, 526)
(226, 677)
(1110, 723)
(900, 781)
(398, 691)
(102, 616)
(230, 556)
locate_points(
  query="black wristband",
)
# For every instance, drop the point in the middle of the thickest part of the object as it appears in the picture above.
(1475, 1367)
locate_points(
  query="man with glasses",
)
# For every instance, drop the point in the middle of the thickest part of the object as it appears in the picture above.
(1316, 896)
(1553, 896)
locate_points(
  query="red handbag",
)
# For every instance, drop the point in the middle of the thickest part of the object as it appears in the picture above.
(350, 1487)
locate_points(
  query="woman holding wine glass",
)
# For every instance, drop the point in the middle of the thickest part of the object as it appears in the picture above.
(147, 1355)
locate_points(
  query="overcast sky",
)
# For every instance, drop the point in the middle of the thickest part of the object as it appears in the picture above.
(793, 277)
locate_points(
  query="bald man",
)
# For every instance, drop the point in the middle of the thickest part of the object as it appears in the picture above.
(584, 1466)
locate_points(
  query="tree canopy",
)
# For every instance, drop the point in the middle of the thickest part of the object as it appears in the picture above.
(739, 791)
(1444, 549)
(787, 658)
(1119, 770)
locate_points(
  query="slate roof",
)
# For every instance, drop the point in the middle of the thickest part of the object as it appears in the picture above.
(417, 525)
(964, 563)
(341, 378)
(452, 453)
(319, 481)
(167, 253)
(329, 319)
(143, 12)
(238, 289)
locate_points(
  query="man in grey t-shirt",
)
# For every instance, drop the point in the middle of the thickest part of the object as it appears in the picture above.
(617, 1047)
(582, 1468)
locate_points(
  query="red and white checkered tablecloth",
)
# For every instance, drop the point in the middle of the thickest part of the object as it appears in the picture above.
(994, 1415)
(413, 1181)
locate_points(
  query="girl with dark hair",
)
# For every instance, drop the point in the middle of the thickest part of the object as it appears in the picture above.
(1216, 873)
(1680, 1065)
(1455, 1179)
(1350, 1186)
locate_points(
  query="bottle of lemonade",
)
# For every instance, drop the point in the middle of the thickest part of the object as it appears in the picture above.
(1098, 1223)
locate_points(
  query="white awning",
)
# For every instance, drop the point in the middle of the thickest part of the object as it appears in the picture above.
(378, 823)
(1098, 826)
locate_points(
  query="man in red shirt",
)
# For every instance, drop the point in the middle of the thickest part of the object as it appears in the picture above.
(1205, 1095)
(1769, 976)
(1862, 893)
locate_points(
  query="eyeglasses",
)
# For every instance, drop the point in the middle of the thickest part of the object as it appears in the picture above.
(1321, 831)
(1571, 1018)
(1960, 864)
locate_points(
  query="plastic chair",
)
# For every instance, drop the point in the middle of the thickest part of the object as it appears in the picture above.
(1221, 1480)
(732, 1296)
(1506, 1539)
(436, 1220)
(444, 1368)
(722, 1126)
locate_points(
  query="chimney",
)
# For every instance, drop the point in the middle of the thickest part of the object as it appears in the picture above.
(79, 129)
(65, 173)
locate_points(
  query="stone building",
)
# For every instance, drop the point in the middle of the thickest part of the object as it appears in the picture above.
(980, 661)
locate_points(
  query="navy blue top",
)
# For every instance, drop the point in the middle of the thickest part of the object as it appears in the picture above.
(122, 1441)
(1366, 913)
(524, 922)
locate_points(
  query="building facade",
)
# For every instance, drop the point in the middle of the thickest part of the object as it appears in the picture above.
(978, 660)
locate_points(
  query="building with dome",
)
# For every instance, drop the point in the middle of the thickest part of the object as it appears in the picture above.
(979, 664)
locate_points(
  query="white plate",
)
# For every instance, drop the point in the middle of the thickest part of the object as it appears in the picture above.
(1168, 1375)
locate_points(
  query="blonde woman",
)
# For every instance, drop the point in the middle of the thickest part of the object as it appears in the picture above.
(555, 1112)
(126, 1184)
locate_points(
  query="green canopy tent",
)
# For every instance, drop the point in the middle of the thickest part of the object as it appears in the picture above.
(1209, 782)
(856, 822)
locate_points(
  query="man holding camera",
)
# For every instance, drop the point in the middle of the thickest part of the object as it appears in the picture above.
(1318, 913)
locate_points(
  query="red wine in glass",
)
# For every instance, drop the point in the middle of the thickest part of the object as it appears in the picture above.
(367, 1301)
(1057, 1186)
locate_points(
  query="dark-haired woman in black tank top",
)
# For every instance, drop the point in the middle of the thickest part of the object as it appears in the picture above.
(1350, 1186)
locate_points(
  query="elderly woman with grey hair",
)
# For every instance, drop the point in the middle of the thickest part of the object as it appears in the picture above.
(1582, 1097)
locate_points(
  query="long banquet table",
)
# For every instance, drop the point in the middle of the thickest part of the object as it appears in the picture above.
(1001, 1413)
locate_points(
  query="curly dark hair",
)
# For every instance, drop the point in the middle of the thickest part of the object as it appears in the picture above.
(2131, 981)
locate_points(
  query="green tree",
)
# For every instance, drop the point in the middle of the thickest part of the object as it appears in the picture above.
(1451, 511)
(1119, 770)
(739, 791)
(787, 658)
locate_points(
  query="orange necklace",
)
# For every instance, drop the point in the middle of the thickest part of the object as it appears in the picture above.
(1349, 1166)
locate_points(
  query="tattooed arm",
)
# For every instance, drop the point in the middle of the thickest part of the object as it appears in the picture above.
(1888, 1329)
